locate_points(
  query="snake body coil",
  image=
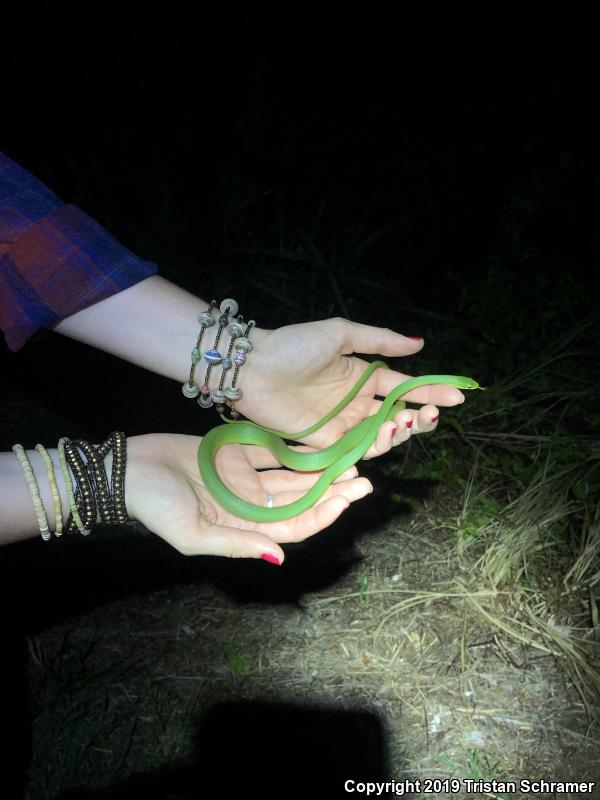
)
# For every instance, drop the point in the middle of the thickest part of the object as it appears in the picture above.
(334, 460)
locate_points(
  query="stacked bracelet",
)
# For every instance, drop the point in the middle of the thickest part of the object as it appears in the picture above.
(111, 504)
(91, 494)
(220, 396)
(213, 357)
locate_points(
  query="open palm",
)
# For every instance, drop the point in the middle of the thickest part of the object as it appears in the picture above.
(164, 491)
(298, 373)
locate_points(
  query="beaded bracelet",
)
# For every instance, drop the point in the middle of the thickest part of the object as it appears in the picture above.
(85, 493)
(34, 491)
(69, 484)
(53, 488)
(212, 356)
(206, 319)
(239, 339)
(111, 504)
(243, 346)
(98, 480)
(118, 443)
(235, 330)
(92, 484)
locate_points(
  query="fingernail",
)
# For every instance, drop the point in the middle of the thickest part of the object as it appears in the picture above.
(393, 433)
(270, 558)
(435, 419)
(416, 338)
(409, 423)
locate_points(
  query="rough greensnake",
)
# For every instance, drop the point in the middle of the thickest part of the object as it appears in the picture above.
(334, 460)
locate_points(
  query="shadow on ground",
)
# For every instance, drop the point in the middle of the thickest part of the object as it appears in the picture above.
(284, 750)
(47, 584)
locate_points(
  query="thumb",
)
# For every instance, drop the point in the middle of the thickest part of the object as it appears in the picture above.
(360, 338)
(221, 540)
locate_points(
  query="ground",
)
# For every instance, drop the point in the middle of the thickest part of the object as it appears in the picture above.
(378, 651)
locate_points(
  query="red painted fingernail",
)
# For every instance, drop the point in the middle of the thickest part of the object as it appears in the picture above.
(416, 338)
(270, 558)
(409, 423)
(393, 432)
(435, 419)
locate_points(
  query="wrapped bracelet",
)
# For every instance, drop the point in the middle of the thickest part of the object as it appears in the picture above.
(119, 465)
(111, 503)
(69, 484)
(85, 492)
(97, 475)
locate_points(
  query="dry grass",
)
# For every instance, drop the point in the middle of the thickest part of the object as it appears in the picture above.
(481, 659)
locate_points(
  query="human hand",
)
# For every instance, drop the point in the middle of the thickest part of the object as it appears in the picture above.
(164, 491)
(298, 373)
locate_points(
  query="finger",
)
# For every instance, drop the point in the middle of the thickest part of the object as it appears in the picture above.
(222, 540)
(402, 427)
(360, 338)
(392, 432)
(262, 458)
(323, 513)
(439, 393)
(412, 420)
(426, 419)
(353, 489)
(279, 480)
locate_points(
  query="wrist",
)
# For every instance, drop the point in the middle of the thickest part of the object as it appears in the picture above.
(131, 479)
(252, 372)
(218, 363)
(141, 450)
(254, 358)
(152, 461)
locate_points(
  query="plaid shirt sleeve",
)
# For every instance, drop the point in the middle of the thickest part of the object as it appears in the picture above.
(54, 259)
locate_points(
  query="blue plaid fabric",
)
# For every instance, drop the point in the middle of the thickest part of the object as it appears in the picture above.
(54, 259)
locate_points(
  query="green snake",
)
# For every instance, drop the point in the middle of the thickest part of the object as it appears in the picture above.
(334, 460)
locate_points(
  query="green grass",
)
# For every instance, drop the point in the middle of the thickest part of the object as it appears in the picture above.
(478, 766)
(238, 662)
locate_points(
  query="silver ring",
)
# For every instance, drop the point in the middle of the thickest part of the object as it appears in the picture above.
(269, 503)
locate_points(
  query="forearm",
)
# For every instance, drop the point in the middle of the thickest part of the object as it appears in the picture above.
(153, 324)
(17, 516)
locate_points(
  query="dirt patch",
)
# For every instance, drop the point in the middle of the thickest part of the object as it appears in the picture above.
(403, 637)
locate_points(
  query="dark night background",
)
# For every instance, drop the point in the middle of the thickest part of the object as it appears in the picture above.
(463, 134)
(456, 143)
